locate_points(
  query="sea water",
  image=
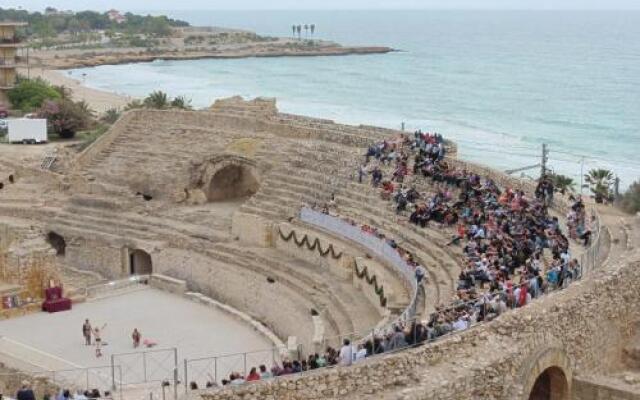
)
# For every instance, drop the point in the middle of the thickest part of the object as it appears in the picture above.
(500, 83)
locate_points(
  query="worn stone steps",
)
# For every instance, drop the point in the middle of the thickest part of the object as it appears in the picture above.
(308, 287)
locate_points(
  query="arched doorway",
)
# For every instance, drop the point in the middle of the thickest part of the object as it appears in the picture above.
(140, 263)
(57, 242)
(551, 384)
(232, 182)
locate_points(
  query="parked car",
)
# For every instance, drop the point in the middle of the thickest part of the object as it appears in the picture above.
(4, 111)
(4, 127)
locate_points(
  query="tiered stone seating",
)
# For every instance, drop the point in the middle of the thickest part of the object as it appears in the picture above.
(300, 161)
(323, 174)
(96, 215)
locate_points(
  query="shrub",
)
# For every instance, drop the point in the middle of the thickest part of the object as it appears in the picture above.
(630, 200)
(110, 116)
(65, 118)
(133, 104)
(157, 99)
(30, 94)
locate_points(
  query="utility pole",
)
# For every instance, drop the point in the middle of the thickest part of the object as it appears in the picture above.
(616, 188)
(543, 162)
(581, 174)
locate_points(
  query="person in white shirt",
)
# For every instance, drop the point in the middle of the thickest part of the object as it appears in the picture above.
(361, 354)
(346, 353)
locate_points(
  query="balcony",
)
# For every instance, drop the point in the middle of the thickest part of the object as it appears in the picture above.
(12, 62)
(10, 42)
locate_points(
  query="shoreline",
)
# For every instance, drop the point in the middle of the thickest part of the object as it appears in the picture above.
(98, 100)
(50, 61)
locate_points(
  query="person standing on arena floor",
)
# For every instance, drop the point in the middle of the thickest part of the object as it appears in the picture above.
(86, 332)
(97, 335)
(136, 338)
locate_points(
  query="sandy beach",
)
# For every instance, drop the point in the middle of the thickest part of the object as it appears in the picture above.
(98, 100)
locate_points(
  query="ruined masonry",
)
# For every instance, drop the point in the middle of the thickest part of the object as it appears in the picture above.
(212, 198)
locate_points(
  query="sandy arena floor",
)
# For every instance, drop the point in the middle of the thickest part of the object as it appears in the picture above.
(171, 321)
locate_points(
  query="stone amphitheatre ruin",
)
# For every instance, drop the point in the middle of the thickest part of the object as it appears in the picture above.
(211, 200)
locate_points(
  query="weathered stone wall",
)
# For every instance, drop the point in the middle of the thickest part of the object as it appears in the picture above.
(321, 254)
(274, 304)
(252, 229)
(97, 256)
(579, 329)
(587, 390)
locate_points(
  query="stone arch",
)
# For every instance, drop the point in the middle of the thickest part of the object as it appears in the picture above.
(546, 375)
(140, 262)
(227, 177)
(58, 242)
(231, 182)
(551, 384)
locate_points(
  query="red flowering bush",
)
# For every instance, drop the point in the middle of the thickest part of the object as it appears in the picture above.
(64, 117)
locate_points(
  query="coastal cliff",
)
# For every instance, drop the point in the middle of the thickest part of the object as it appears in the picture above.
(193, 45)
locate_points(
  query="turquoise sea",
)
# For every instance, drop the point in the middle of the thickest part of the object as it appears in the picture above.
(500, 83)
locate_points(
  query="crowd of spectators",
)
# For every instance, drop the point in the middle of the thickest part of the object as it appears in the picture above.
(512, 249)
(26, 393)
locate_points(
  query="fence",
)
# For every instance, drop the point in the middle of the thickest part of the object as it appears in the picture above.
(376, 245)
(214, 369)
(146, 366)
(591, 257)
(110, 287)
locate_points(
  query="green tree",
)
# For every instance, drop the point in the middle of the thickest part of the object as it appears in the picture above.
(600, 181)
(29, 94)
(156, 26)
(157, 99)
(630, 200)
(44, 30)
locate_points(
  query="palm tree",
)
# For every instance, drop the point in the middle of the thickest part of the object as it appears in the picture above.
(600, 181)
(313, 29)
(181, 102)
(293, 28)
(306, 30)
(157, 99)
(299, 29)
(85, 109)
(562, 183)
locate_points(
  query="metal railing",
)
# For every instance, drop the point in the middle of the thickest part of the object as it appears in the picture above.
(378, 246)
(146, 366)
(590, 258)
(213, 369)
(110, 287)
